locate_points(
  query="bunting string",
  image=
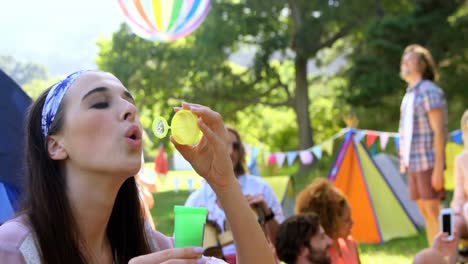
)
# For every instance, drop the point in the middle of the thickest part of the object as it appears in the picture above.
(314, 153)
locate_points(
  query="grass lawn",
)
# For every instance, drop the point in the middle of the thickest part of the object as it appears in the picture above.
(163, 210)
(395, 251)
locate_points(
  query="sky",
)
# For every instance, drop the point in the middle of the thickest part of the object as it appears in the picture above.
(60, 34)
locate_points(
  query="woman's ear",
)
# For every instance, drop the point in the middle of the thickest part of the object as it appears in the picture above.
(303, 252)
(55, 148)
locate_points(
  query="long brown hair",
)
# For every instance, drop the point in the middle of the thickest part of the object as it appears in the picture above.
(426, 62)
(48, 209)
(325, 200)
(240, 168)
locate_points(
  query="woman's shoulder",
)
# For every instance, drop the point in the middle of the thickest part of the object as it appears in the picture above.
(349, 241)
(462, 157)
(428, 87)
(17, 242)
(157, 240)
(15, 231)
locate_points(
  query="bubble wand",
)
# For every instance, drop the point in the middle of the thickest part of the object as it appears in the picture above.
(184, 127)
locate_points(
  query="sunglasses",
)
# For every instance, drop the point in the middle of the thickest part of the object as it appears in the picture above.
(236, 145)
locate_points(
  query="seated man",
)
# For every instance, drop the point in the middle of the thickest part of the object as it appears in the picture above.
(302, 240)
(257, 192)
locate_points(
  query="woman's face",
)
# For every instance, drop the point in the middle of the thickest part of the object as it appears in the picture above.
(345, 223)
(101, 131)
(409, 65)
(234, 146)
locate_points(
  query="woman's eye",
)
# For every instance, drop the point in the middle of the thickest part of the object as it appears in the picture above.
(101, 105)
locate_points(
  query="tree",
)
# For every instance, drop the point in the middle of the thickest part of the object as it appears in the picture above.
(199, 67)
(35, 87)
(22, 72)
(436, 24)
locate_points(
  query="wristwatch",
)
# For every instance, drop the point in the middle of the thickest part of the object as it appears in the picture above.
(270, 216)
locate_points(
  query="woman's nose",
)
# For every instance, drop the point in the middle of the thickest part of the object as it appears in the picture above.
(129, 112)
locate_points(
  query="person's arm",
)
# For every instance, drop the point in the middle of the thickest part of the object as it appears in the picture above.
(11, 255)
(271, 214)
(210, 159)
(271, 226)
(436, 120)
(459, 192)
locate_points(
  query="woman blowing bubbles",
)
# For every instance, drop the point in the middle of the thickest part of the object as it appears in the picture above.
(82, 206)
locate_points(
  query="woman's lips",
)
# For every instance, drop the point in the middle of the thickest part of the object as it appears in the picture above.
(133, 137)
(134, 143)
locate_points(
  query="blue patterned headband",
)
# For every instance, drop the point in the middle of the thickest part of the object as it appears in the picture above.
(53, 100)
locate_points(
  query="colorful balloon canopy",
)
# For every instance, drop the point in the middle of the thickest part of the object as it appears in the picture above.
(164, 20)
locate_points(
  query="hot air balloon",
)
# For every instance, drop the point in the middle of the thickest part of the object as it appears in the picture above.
(164, 20)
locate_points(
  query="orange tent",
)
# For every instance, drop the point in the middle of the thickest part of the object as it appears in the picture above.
(377, 212)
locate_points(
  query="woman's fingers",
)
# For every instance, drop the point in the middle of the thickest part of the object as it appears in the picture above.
(186, 255)
(211, 118)
(185, 150)
(210, 135)
(185, 261)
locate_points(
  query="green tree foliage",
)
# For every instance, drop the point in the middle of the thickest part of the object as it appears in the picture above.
(441, 26)
(35, 87)
(22, 72)
(268, 37)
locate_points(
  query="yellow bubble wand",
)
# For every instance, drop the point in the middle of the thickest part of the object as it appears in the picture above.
(184, 127)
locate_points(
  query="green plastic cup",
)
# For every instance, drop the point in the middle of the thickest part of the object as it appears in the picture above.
(189, 226)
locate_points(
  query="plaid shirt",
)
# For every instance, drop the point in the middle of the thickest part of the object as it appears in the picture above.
(427, 97)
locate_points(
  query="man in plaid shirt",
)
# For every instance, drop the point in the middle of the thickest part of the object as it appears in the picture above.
(423, 130)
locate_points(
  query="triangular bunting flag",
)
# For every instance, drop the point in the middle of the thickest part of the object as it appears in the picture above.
(280, 157)
(396, 139)
(271, 159)
(253, 155)
(327, 146)
(317, 150)
(384, 140)
(291, 156)
(306, 157)
(247, 148)
(457, 137)
(359, 135)
(371, 136)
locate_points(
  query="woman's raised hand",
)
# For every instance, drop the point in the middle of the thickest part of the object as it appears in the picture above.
(210, 157)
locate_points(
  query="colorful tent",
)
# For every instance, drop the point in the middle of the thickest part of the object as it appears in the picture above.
(283, 187)
(390, 168)
(378, 213)
(13, 105)
(8, 202)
